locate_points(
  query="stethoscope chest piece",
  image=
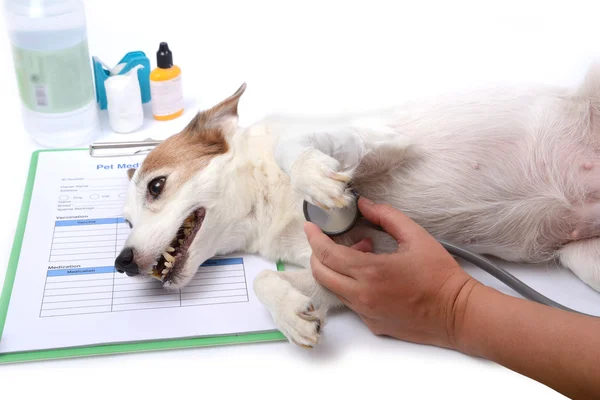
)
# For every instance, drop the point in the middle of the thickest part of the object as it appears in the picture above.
(334, 222)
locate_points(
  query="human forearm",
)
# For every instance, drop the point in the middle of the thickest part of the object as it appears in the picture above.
(554, 347)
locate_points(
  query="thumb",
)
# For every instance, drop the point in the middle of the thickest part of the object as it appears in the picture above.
(320, 243)
(393, 221)
(329, 252)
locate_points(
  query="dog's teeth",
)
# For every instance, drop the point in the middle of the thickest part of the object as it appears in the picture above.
(180, 242)
(168, 265)
(187, 231)
(188, 225)
(165, 271)
(170, 249)
(168, 257)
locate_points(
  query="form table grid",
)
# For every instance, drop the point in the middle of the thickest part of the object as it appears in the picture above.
(75, 289)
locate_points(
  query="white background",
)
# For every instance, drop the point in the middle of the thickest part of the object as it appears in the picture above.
(309, 56)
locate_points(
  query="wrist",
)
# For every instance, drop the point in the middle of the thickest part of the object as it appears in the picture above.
(458, 327)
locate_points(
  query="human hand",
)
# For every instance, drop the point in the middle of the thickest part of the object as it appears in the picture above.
(418, 293)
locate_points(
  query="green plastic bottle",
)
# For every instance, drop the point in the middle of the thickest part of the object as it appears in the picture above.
(53, 71)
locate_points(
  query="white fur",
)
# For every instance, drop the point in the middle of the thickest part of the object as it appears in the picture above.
(512, 172)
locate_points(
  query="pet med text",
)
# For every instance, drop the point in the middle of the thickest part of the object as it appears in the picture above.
(119, 166)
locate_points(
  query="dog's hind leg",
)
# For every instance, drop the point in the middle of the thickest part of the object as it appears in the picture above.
(297, 303)
(583, 259)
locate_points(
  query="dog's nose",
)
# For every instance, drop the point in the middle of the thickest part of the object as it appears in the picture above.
(124, 262)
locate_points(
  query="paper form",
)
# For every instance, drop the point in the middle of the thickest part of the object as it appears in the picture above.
(67, 293)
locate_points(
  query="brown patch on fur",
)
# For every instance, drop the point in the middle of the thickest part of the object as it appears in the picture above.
(183, 149)
(201, 140)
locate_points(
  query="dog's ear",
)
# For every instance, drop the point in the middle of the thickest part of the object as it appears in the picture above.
(130, 173)
(228, 108)
(214, 126)
(224, 115)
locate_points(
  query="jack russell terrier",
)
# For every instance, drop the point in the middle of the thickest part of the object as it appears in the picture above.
(511, 172)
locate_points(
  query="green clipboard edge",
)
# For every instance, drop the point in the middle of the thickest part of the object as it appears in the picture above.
(96, 350)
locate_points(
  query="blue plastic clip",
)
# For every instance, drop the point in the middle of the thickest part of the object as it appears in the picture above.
(101, 74)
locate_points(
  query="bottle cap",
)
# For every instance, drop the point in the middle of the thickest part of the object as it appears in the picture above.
(164, 57)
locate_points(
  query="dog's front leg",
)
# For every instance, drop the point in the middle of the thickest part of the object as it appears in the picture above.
(297, 303)
(321, 160)
(320, 164)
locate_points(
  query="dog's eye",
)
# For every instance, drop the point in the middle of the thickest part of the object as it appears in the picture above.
(156, 186)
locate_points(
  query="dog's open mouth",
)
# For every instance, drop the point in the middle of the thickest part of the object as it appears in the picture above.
(175, 255)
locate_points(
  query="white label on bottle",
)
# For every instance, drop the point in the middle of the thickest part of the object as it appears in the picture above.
(41, 96)
(167, 96)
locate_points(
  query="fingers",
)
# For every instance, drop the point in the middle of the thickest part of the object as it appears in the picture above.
(344, 287)
(393, 221)
(365, 245)
(374, 325)
(345, 301)
(332, 264)
(339, 258)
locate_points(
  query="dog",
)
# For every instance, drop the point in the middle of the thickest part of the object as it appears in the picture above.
(511, 172)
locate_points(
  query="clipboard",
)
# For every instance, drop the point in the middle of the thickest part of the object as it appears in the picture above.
(101, 150)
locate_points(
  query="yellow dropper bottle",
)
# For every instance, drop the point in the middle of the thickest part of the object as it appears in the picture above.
(165, 86)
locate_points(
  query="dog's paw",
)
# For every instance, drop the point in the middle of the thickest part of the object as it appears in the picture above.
(298, 320)
(319, 179)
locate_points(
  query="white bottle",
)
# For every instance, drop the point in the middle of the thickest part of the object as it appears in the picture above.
(124, 101)
(53, 71)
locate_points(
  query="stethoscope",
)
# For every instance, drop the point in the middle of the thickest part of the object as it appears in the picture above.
(339, 221)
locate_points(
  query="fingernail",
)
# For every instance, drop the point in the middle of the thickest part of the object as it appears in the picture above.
(367, 201)
(306, 227)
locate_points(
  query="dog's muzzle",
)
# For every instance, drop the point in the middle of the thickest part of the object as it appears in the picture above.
(124, 262)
